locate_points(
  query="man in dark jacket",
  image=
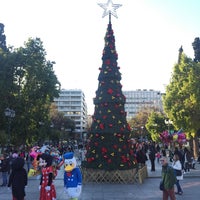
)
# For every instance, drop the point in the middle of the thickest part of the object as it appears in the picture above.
(5, 168)
(18, 179)
(152, 155)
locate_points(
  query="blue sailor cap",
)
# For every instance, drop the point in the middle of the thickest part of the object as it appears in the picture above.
(68, 155)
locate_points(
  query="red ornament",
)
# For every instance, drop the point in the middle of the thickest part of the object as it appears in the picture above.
(107, 62)
(111, 46)
(110, 91)
(121, 129)
(96, 144)
(104, 150)
(90, 159)
(101, 126)
(128, 127)
(116, 105)
(105, 156)
(124, 159)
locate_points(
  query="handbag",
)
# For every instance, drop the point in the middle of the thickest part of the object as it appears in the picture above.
(178, 172)
(161, 185)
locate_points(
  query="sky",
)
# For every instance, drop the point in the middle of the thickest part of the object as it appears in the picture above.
(148, 35)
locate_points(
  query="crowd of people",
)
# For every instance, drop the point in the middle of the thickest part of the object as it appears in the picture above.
(181, 160)
(175, 163)
(16, 165)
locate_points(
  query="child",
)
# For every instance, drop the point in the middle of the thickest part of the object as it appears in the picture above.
(18, 179)
(158, 156)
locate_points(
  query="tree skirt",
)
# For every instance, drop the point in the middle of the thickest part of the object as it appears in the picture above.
(114, 176)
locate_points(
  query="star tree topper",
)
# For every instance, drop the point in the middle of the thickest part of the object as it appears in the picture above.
(109, 8)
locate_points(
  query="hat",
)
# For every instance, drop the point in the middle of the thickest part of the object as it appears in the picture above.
(68, 155)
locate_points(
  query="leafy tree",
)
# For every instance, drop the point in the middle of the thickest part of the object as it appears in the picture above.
(138, 123)
(6, 82)
(196, 47)
(37, 85)
(2, 39)
(182, 99)
(156, 125)
(28, 85)
(60, 123)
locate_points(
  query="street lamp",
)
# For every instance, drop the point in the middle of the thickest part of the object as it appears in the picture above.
(9, 113)
(168, 122)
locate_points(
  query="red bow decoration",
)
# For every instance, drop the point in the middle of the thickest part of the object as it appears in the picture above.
(104, 150)
(110, 91)
(101, 126)
(107, 62)
(69, 174)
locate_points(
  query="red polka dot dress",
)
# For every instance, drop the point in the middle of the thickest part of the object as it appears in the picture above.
(47, 193)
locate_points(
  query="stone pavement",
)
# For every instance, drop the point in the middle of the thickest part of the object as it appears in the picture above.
(92, 191)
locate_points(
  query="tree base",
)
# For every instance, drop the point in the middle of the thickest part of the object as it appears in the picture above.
(114, 176)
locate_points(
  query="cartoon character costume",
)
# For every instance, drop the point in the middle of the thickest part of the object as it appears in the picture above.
(18, 179)
(72, 177)
(47, 188)
(34, 154)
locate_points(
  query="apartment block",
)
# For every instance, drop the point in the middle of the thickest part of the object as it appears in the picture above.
(137, 100)
(72, 103)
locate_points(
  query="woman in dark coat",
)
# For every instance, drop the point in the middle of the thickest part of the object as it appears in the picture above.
(18, 179)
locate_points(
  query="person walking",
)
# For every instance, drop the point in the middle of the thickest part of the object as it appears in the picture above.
(180, 155)
(152, 155)
(176, 164)
(4, 168)
(18, 179)
(141, 156)
(187, 160)
(169, 179)
(28, 161)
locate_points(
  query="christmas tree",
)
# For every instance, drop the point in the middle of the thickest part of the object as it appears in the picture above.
(109, 145)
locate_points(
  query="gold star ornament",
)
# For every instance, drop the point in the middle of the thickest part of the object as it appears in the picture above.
(109, 8)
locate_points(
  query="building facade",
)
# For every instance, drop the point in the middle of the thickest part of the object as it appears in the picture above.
(72, 103)
(137, 100)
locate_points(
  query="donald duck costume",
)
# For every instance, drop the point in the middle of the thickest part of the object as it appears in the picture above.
(72, 177)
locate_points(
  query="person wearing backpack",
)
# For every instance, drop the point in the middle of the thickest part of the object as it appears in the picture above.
(169, 179)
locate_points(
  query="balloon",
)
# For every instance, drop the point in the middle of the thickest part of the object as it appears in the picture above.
(175, 137)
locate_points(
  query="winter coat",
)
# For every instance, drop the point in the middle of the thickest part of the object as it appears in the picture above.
(141, 156)
(5, 165)
(169, 177)
(18, 179)
(152, 152)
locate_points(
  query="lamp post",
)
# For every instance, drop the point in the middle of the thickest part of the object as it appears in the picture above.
(142, 128)
(168, 122)
(9, 113)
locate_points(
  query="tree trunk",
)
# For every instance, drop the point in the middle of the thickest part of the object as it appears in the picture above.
(195, 146)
